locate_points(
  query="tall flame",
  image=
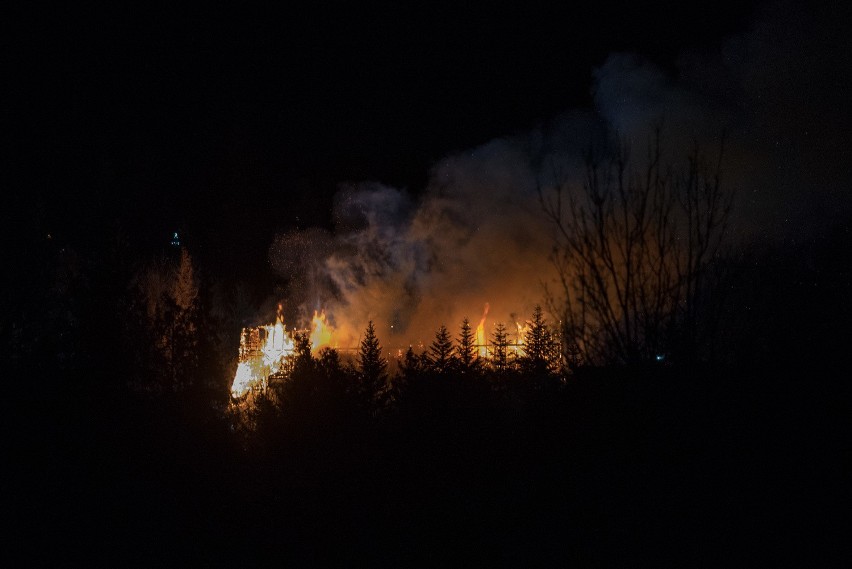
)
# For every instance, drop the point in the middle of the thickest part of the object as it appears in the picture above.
(321, 332)
(519, 341)
(481, 341)
(263, 350)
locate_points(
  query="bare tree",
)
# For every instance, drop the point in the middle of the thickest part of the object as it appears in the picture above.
(632, 245)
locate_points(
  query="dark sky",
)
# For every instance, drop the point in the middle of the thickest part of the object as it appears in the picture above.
(231, 125)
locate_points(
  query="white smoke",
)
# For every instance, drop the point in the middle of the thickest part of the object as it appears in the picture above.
(476, 233)
(474, 236)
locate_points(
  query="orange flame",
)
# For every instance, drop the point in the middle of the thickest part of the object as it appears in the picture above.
(519, 341)
(480, 333)
(264, 348)
(321, 332)
(262, 351)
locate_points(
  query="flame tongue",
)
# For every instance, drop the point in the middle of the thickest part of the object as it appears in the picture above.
(321, 332)
(480, 333)
(263, 350)
(520, 340)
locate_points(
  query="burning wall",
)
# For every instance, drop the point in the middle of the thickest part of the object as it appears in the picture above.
(264, 350)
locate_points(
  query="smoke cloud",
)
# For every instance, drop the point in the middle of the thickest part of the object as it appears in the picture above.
(476, 233)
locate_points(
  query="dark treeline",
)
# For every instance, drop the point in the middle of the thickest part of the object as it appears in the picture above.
(125, 448)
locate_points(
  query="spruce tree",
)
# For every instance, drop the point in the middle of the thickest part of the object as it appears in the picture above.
(411, 365)
(411, 368)
(303, 362)
(372, 366)
(441, 351)
(538, 345)
(185, 290)
(183, 339)
(467, 359)
(329, 364)
(500, 353)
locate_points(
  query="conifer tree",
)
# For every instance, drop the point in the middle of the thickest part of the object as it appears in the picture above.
(500, 350)
(411, 369)
(441, 351)
(303, 362)
(372, 366)
(183, 341)
(185, 290)
(411, 365)
(467, 359)
(329, 364)
(538, 345)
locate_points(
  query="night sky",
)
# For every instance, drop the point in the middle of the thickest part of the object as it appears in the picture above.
(231, 125)
(381, 163)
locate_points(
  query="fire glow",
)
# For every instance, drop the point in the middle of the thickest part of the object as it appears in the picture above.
(480, 333)
(264, 349)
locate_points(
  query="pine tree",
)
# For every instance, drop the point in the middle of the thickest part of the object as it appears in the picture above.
(467, 360)
(411, 365)
(538, 345)
(500, 355)
(411, 369)
(185, 290)
(302, 387)
(372, 366)
(184, 322)
(329, 364)
(303, 362)
(150, 320)
(441, 351)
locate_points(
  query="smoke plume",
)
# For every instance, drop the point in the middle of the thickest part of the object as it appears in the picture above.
(476, 233)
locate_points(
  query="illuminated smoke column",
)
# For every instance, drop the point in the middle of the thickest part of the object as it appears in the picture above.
(475, 236)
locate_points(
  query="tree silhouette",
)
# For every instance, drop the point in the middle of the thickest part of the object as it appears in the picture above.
(329, 365)
(441, 350)
(185, 289)
(500, 348)
(183, 341)
(165, 302)
(411, 365)
(467, 359)
(539, 345)
(632, 250)
(303, 362)
(372, 366)
(411, 370)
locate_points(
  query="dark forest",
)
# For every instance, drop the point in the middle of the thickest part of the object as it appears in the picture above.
(656, 221)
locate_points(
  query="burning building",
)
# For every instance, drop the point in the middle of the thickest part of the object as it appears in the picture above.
(266, 350)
